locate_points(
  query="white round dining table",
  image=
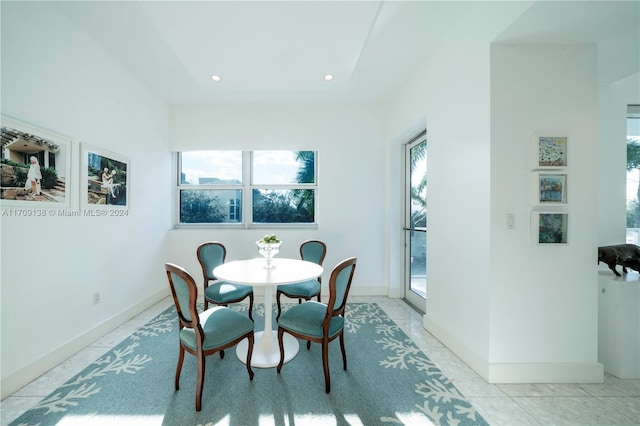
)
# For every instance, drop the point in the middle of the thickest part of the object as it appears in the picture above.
(253, 272)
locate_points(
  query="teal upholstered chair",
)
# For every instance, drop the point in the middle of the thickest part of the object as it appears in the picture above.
(205, 333)
(210, 255)
(316, 322)
(312, 251)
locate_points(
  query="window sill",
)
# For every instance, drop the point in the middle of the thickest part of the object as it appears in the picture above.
(239, 226)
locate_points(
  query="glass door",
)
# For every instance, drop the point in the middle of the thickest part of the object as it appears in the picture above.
(415, 228)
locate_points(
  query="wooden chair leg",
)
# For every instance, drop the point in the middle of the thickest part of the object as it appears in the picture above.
(344, 353)
(249, 353)
(281, 346)
(179, 367)
(251, 307)
(199, 385)
(325, 366)
(278, 295)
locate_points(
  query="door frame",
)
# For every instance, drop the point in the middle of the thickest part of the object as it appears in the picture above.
(410, 296)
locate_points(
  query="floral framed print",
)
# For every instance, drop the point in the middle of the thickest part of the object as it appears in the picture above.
(548, 152)
(36, 168)
(550, 227)
(104, 179)
(549, 188)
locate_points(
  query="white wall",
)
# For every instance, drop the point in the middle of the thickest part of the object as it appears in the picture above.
(544, 90)
(450, 93)
(512, 311)
(55, 77)
(619, 341)
(351, 160)
(613, 99)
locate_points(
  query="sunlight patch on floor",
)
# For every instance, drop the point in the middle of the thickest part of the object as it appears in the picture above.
(308, 419)
(353, 419)
(414, 419)
(110, 420)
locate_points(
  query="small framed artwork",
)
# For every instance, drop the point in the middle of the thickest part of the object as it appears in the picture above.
(550, 227)
(548, 152)
(549, 188)
(104, 178)
(36, 167)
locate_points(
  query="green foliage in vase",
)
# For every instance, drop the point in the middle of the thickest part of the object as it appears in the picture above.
(269, 239)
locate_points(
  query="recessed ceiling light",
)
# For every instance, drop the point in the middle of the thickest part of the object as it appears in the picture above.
(216, 77)
(328, 77)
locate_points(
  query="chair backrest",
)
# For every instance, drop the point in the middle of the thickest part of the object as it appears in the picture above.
(185, 294)
(339, 286)
(313, 251)
(210, 255)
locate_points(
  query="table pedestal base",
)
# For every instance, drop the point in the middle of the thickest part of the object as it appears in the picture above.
(266, 353)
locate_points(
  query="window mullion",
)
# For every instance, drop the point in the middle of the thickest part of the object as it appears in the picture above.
(247, 194)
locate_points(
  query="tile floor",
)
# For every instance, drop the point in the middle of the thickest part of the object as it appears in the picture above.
(614, 402)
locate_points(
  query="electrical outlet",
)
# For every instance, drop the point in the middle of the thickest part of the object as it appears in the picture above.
(96, 298)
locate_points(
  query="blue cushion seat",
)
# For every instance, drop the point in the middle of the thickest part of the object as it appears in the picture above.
(223, 291)
(306, 289)
(221, 325)
(307, 318)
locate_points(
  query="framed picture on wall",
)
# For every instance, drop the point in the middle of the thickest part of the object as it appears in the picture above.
(36, 168)
(549, 188)
(104, 179)
(548, 152)
(550, 227)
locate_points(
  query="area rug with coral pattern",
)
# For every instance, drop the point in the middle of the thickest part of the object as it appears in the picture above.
(389, 381)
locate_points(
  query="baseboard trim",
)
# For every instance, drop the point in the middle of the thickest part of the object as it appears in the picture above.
(461, 350)
(530, 372)
(24, 376)
(395, 293)
(547, 372)
(363, 291)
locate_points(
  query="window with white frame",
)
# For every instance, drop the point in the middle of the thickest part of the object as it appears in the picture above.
(633, 174)
(280, 188)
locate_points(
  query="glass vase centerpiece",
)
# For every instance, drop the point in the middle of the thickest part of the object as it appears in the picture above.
(268, 247)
